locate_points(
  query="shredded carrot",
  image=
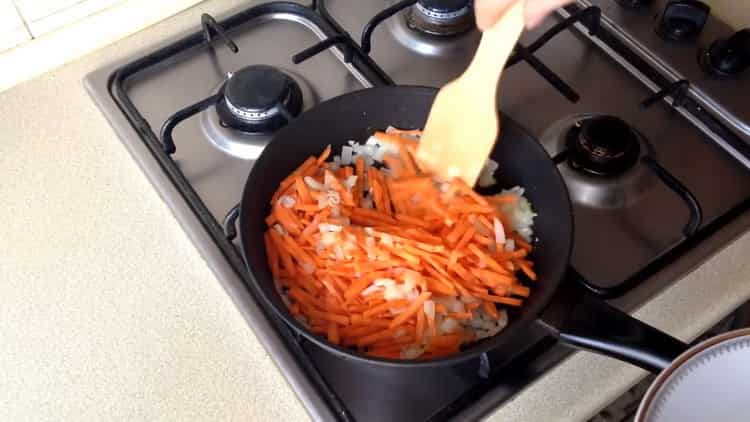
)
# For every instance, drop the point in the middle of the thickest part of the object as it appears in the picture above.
(362, 259)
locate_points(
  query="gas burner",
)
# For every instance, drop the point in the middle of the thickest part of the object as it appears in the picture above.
(602, 146)
(259, 99)
(441, 17)
(589, 158)
(242, 143)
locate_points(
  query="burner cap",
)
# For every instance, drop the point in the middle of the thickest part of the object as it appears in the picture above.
(259, 98)
(445, 6)
(441, 17)
(603, 146)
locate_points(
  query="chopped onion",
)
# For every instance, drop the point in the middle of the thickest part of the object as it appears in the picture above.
(487, 175)
(510, 245)
(386, 239)
(479, 227)
(499, 231)
(325, 227)
(287, 201)
(314, 184)
(429, 308)
(329, 238)
(308, 268)
(448, 325)
(328, 179)
(279, 228)
(399, 333)
(350, 181)
(370, 290)
(469, 299)
(383, 282)
(411, 351)
(346, 155)
(333, 197)
(339, 253)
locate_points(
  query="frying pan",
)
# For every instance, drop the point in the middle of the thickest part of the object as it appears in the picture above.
(586, 323)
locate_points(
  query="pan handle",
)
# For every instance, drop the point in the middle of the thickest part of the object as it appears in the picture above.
(598, 327)
(230, 220)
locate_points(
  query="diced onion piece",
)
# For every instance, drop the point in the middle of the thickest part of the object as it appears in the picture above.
(326, 227)
(510, 245)
(448, 326)
(383, 282)
(333, 198)
(287, 201)
(346, 155)
(499, 231)
(429, 308)
(314, 184)
(350, 181)
(487, 175)
(469, 299)
(411, 352)
(370, 290)
(279, 228)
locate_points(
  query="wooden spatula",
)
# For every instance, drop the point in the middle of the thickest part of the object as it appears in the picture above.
(463, 124)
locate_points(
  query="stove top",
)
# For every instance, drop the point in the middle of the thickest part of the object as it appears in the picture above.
(652, 164)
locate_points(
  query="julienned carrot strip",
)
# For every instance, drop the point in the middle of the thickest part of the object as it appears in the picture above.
(403, 218)
(359, 171)
(438, 286)
(521, 243)
(374, 214)
(490, 309)
(520, 290)
(465, 238)
(346, 196)
(445, 341)
(526, 268)
(415, 306)
(376, 310)
(327, 316)
(457, 232)
(289, 181)
(460, 315)
(500, 299)
(333, 333)
(467, 190)
(380, 335)
(286, 258)
(302, 190)
(419, 328)
(287, 219)
(485, 258)
(387, 204)
(324, 155)
(407, 132)
(395, 140)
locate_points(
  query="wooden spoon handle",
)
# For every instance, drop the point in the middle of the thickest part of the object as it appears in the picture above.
(495, 47)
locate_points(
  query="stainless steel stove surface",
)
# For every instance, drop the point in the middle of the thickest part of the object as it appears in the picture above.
(648, 183)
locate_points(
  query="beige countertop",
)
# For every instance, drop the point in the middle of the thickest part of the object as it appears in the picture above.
(108, 312)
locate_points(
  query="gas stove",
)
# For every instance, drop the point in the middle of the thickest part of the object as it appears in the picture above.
(639, 103)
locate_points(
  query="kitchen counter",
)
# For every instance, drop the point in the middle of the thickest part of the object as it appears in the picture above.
(107, 311)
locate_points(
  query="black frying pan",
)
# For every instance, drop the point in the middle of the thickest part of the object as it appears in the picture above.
(588, 323)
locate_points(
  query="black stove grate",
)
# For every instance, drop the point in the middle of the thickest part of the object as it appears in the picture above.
(483, 384)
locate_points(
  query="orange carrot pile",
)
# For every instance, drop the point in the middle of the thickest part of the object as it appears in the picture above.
(389, 261)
